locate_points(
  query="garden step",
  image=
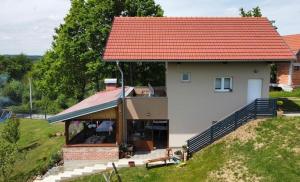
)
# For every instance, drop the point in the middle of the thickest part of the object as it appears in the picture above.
(74, 173)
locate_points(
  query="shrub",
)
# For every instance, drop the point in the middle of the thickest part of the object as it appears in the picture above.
(11, 132)
(279, 103)
(8, 155)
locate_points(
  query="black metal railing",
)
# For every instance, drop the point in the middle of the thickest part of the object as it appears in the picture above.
(259, 107)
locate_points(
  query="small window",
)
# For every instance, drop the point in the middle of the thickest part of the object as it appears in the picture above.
(296, 68)
(218, 83)
(223, 84)
(186, 77)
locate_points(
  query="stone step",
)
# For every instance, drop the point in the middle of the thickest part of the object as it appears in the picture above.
(75, 173)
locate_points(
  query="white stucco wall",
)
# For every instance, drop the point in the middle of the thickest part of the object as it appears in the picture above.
(193, 106)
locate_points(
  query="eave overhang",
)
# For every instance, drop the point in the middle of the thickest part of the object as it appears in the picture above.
(85, 111)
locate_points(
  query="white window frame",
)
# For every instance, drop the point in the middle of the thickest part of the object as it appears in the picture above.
(222, 84)
(189, 77)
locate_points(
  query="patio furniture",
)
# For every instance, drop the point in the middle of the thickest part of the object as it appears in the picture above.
(168, 156)
(161, 159)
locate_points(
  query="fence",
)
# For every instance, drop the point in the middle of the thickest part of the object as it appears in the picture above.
(259, 107)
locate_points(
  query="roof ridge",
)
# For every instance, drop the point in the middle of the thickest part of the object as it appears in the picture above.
(185, 17)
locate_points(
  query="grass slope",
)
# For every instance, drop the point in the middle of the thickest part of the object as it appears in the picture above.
(37, 148)
(259, 151)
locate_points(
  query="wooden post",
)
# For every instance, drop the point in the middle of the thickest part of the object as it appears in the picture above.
(274, 107)
(67, 124)
(120, 124)
(118, 138)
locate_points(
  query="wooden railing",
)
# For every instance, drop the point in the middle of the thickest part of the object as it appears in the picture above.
(259, 107)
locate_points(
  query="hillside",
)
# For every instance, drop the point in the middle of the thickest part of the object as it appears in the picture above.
(262, 150)
(39, 147)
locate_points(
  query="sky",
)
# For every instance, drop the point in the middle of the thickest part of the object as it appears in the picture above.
(27, 26)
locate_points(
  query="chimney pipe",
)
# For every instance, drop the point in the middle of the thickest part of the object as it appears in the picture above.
(110, 84)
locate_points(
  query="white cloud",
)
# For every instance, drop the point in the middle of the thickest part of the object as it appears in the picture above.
(28, 25)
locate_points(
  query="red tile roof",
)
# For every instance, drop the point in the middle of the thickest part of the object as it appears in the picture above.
(165, 38)
(293, 41)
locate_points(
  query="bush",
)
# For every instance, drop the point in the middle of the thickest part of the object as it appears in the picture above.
(279, 103)
(11, 132)
(24, 108)
(8, 155)
(13, 90)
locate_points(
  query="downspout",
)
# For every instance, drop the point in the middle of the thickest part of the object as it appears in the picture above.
(123, 104)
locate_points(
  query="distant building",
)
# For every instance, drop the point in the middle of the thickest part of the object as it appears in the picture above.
(288, 74)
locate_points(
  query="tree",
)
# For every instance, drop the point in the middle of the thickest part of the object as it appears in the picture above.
(142, 8)
(15, 66)
(13, 90)
(73, 65)
(255, 12)
(11, 132)
(8, 155)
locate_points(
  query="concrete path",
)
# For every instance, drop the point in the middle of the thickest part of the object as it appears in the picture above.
(296, 114)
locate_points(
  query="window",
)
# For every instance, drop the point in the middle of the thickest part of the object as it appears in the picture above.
(296, 68)
(186, 77)
(92, 132)
(223, 84)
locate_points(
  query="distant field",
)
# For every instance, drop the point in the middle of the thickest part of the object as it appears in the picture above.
(38, 147)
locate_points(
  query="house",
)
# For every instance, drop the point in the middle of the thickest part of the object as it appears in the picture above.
(214, 66)
(288, 74)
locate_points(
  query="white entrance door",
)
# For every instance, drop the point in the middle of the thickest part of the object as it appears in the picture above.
(254, 89)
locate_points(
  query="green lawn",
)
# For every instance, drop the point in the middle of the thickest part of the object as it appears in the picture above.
(38, 147)
(291, 100)
(268, 151)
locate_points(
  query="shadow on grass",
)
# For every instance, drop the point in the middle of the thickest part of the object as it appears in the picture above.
(290, 105)
(29, 147)
(153, 166)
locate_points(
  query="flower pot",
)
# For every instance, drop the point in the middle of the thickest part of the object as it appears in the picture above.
(279, 113)
(121, 154)
(131, 164)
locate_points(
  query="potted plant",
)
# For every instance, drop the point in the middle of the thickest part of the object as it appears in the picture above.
(178, 154)
(279, 107)
(131, 163)
(185, 152)
(122, 151)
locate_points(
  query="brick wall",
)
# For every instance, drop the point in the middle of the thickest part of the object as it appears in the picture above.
(282, 73)
(91, 153)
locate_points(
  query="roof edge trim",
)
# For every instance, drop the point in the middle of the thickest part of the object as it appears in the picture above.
(83, 112)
